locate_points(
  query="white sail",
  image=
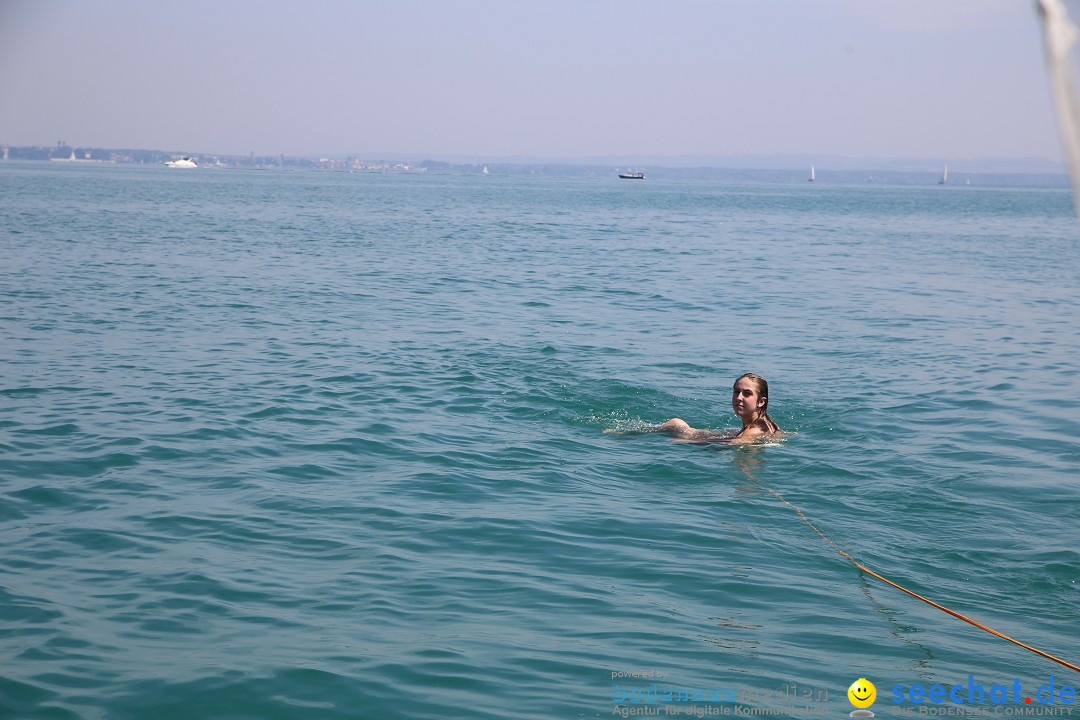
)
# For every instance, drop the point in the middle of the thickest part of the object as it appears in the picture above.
(1059, 36)
(812, 173)
(944, 175)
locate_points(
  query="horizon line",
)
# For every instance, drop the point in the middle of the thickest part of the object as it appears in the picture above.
(732, 161)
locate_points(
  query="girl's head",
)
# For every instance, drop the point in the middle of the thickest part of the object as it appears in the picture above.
(750, 396)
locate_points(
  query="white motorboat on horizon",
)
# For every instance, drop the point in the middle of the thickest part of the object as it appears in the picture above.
(183, 162)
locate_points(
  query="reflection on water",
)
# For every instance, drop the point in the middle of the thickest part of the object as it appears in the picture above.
(750, 460)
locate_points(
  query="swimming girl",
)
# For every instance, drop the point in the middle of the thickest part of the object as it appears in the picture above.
(749, 400)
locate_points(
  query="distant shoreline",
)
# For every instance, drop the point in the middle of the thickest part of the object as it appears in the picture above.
(989, 172)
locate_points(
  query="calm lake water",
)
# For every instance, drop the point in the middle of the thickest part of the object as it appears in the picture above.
(301, 445)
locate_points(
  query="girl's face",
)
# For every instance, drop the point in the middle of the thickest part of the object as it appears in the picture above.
(745, 400)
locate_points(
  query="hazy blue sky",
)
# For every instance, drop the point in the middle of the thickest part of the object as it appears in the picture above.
(556, 78)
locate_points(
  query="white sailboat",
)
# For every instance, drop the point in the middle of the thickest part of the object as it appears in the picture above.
(484, 171)
(811, 178)
(944, 175)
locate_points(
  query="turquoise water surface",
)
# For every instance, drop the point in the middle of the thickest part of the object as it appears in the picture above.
(301, 445)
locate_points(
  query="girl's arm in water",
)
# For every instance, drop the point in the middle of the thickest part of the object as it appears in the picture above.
(680, 430)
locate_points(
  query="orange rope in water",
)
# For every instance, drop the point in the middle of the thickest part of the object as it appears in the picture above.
(955, 614)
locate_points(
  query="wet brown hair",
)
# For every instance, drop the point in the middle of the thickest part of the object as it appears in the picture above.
(762, 387)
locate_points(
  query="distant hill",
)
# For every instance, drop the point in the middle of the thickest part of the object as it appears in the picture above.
(800, 162)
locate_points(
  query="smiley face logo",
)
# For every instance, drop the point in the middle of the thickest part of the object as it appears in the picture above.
(862, 693)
